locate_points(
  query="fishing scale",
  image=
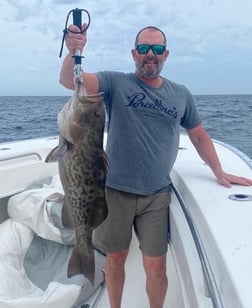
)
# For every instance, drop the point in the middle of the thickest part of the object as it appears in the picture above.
(77, 21)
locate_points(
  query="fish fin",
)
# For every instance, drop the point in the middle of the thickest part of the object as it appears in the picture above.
(66, 218)
(57, 152)
(51, 157)
(82, 263)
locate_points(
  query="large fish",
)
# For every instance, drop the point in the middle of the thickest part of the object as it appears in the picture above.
(82, 170)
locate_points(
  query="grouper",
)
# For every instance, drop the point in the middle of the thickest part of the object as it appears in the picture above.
(82, 169)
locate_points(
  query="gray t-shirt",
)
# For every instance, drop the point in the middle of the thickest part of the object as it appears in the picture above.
(143, 130)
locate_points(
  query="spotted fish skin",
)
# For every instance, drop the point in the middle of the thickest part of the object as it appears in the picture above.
(82, 169)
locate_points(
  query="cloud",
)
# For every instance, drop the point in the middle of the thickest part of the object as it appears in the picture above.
(200, 36)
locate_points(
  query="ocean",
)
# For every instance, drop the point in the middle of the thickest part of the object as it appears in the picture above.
(227, 118)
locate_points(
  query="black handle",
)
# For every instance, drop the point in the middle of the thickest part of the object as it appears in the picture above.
(77, 21)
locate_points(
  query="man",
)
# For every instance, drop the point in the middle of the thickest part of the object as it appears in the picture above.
(145, 111)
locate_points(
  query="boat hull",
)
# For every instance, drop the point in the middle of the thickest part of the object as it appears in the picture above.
(210, 247)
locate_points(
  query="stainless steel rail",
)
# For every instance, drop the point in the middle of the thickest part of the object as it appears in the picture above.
(21, 156)
(211, 288)
(99, 292)
(99, 295)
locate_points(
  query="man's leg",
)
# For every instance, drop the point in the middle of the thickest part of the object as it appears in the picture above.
(115, 277)
(156, 280)
(151, 226)
(113, 236)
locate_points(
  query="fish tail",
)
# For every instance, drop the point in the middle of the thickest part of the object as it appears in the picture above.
(82, 263)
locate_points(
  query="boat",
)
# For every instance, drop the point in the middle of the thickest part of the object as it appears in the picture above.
(209, 250)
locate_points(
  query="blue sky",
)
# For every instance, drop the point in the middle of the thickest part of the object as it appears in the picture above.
(210, 42)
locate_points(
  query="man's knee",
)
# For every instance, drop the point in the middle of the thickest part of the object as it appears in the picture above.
(155, 266)
(117, 258)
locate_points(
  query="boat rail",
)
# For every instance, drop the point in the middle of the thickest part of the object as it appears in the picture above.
(211, 289)
(17, 156)
(99, 295)
(93, 300)
(239, 153)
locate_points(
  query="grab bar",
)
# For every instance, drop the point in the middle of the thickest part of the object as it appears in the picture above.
(21, 156)
(209, 280)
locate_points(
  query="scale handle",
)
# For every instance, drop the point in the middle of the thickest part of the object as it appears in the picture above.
(77, 18)
(77, 21)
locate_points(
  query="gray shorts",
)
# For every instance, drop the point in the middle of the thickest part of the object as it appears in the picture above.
(148, 215)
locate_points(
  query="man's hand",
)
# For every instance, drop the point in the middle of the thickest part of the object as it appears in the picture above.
(74, 39)
(228, 179)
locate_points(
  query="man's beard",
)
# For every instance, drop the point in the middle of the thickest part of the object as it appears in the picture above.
(149, 74)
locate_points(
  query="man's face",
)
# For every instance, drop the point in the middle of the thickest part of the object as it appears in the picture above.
(149, 64)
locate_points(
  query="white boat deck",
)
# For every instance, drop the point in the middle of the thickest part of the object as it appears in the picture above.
(224, 226)
(134, 294)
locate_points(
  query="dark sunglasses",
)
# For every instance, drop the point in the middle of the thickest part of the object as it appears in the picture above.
(145, 48)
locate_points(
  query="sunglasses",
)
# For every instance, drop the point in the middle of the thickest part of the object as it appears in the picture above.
(145, 48)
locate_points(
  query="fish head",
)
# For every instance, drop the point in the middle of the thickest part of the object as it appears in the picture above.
(82, 114)
(90, 112)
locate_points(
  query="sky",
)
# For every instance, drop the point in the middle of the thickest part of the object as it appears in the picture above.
(210, 42)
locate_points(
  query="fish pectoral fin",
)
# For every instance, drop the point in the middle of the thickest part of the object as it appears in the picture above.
(82, 262)
(51, 158)
(57, 152)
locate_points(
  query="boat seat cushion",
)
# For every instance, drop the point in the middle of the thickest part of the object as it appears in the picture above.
(34, 252)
